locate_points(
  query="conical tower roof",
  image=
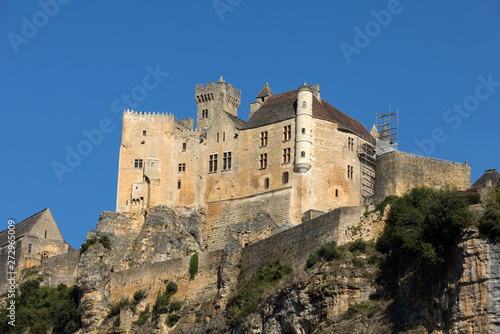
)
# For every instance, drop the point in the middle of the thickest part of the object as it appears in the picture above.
(265, 91)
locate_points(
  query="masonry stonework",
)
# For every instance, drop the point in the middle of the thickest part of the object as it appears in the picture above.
(398, 172)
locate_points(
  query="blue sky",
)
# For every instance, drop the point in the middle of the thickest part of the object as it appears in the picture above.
(67, 66)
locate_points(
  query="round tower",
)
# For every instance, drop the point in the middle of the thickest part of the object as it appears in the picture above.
(303, 129)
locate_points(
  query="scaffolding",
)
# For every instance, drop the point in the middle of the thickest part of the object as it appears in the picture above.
(387, 127)
(366, 154)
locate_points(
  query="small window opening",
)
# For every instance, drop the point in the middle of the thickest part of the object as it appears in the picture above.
(304, 104)
(336, 193)
(30, 248)
(179, 184)
(303, 131)
(45, 233)
(126, 202)
(266, 182)
(45, 255)
(303, 154)
(285, 177)
(184, 146)
(144, 133)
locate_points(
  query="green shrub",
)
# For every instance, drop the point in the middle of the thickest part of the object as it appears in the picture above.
(358, 263)
(105, 241)
(139, 295)
(247, 298)
(326, 252)
(489, 223)
(312, 260)
(143, 317)
(175, 306)
(473, 195)
(115, 308)
(358, 245)
(193, 266)
(381, 206)
(172, 319)
(40, 308)
(171, 288)
(117, 322)
(161, 303)
(425, 223)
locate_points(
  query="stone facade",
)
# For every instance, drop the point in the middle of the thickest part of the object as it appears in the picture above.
(37, 238)
(398, 172)
(293, 143)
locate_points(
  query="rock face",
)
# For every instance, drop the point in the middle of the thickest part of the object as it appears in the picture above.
(239, 236)
(164, 234)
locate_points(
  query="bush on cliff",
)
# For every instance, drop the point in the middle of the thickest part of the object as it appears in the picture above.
(326, 252)
(489, 223)
(248, 297)
(193, 266)
(425, 223)
(40, 308)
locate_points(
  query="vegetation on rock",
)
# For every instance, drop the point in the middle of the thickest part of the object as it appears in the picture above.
(489, 223)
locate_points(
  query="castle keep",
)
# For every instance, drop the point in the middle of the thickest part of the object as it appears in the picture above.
(296, 153)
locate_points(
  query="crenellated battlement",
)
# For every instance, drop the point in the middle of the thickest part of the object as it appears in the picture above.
(157, 116)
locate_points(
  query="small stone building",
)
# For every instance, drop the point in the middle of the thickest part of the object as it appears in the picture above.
(37, 238)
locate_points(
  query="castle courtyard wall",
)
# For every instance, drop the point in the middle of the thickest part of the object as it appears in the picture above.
(294, 245)
(398, 172)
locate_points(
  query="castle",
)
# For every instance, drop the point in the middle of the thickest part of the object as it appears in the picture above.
(297, 154)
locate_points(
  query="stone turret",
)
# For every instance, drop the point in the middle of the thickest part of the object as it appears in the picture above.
(215, 98)
(262, 97)
(303, 129)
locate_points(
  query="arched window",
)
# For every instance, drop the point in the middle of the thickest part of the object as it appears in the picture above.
(45, 255)
(303, 131)
(303, 154)
(304, 104)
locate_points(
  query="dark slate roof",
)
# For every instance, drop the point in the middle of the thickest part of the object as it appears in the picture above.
(23, 227)
(265, 91)
(238, 123)
(282, 106)
(489, 175)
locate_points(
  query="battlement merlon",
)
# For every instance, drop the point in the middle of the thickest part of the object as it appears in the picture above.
(183, 125)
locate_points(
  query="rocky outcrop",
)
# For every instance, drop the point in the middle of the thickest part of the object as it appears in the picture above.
(239, 236)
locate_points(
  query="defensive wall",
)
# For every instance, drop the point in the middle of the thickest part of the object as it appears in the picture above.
(152, 277)
(294, 245)
(222, 214)
(397, 172)
(60, 269)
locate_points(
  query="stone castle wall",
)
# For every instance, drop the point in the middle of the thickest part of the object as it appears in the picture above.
(397, 172)
(294, 245)
(151, 278)
(222, 214)
(61, 269)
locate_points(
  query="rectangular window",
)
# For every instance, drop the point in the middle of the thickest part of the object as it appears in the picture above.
(182, 168)
(226, 161)
(350, 171)
(266, 183)
(184, 146)
(263, 161)
(212, 164)
(137, 163)
(204, 113)
(350, 144)
(287, 132)
(286, 155)
(285, 177)
(179, 184)
(217, 137)
(144, 133)
(263, 139)
(30, 248)
(223, 136)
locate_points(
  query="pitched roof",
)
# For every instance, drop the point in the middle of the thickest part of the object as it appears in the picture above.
(265, 91)
(23, 227)
(489, 175)
(238, 123)
(282, 106)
